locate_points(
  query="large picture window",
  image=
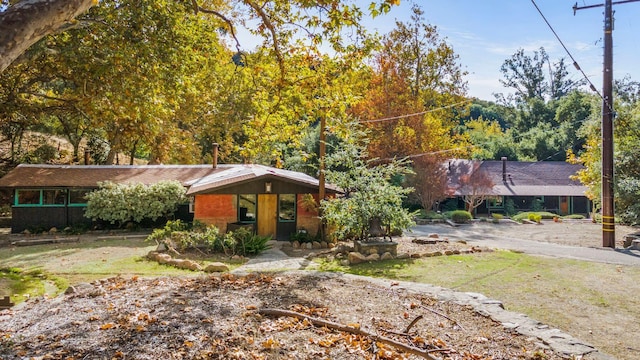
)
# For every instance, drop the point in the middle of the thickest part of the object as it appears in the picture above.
(40, 197)
(53, 197)
(27, 197)
(247, 208)
(287, 207)
(76, 197)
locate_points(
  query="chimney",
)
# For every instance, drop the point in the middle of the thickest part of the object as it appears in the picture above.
(87, 156)
(215, 155)
(504, 168)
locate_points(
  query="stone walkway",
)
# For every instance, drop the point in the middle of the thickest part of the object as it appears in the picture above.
(274, 259)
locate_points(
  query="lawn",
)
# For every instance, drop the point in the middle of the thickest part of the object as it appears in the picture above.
(592, 301)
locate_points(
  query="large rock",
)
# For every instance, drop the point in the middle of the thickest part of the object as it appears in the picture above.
(190, 265)
(356, 258)
(373, 257)
(386, 256)
(163, 258)
(216, 267)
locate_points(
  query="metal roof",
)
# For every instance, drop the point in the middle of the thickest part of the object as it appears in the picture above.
(244, 173)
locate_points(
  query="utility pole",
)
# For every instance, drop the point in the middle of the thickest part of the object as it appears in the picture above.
(608, 207)
(321, 180)
(608, 211)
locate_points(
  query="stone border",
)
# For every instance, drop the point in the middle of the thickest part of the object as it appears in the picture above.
(561, 343)
(347, 256)
(166, 259)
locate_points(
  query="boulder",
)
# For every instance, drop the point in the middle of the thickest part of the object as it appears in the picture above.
(344, 262)
(296, 244)
(191, 265)
(176, 262)
(324, 245)
(316, 245)
(356, 258)
(403, 256)
(386, 256)
(216, 267)
(373, 257)
(433, 236)
(163, 258)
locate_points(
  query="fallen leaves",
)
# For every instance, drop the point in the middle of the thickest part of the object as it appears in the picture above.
(217, 318)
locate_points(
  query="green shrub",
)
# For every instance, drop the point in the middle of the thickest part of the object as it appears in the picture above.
(432, 215)
(525, 215)
(121, 203)
(248, 243)
(207, 238)
(537, 205)
(302, 237)
(461, 216)
(495, 216)
(574, 216)
(534, 217)
(158, 235)
(509, 207)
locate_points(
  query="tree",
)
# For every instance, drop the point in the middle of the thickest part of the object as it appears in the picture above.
(26, 22)
(39, 18)
(626, 156)
(429, 179)
(474, 183)
(369, 193)
(526, 75)
(418, 73)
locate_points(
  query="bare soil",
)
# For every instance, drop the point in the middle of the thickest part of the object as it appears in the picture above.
(218, 317)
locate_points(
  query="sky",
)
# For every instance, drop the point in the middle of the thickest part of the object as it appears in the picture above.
(484, 33)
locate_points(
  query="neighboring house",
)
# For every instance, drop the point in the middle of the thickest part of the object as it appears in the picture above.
(268, 199)
(549, 183)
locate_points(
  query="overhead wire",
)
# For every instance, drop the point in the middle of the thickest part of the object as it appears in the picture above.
(575, 62)
(416, 114)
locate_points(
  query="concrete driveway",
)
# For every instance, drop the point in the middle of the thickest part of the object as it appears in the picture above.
(546, 240)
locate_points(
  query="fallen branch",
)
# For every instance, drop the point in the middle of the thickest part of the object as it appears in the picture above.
(332, 325)
(443, 315)
(413, 323)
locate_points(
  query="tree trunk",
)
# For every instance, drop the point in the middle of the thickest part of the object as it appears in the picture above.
(28, 21)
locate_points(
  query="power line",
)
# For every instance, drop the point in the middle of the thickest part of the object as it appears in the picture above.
(575, 62)
(416, 114)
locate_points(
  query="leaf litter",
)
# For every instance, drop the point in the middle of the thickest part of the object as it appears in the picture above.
(221, 317)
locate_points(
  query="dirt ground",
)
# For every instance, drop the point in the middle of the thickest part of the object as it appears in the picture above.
(218, 317)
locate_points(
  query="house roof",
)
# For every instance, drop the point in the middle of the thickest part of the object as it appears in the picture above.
(244, 173)
(199, 178)
(32, 175)
(522, 178)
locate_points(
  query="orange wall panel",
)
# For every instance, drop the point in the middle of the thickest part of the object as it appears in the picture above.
(215, 205)
(216, 209)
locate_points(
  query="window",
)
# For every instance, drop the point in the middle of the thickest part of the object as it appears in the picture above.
(76, 196)
(192, 204)
(287, 207)
(27, 197)
(496, 202)
(53, 197)
(43, 197)
(247, 208)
